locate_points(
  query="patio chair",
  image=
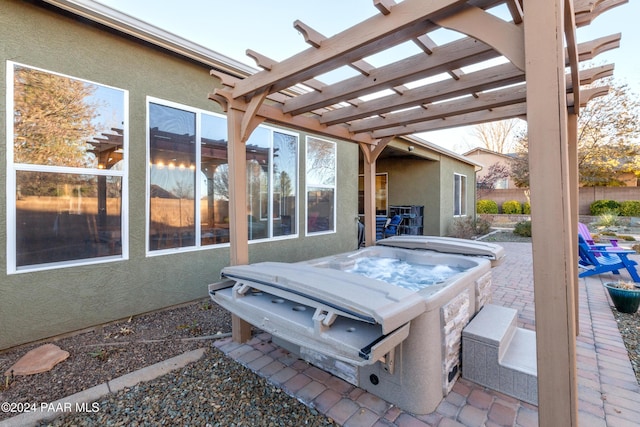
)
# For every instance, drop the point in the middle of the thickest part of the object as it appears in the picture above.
(598, 259)
(381, 223)
(392, 227)
(584, 232)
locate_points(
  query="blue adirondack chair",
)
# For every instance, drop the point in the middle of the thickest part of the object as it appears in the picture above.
(598, 259)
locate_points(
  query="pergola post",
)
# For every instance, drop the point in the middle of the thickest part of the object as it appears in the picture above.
(552, 210)
(369, 196)
(370, 154)
(575, 208)
(238, 223)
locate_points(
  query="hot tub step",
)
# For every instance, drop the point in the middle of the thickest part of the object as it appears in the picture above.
(499, 355)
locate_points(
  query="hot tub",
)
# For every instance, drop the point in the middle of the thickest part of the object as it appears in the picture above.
(398, 341)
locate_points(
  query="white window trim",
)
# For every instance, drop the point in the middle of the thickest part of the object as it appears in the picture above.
(198, 231)
(12, 168)
(270, 187)
(334, 187)
(462, 199)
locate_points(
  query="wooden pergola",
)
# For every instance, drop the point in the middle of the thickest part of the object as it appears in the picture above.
(541, 81)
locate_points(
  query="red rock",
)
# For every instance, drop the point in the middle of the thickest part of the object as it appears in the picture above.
(40, 359)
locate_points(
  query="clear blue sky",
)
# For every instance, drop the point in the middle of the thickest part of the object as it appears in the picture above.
(232, 27)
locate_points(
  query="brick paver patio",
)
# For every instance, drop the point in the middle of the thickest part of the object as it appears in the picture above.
(608, 392)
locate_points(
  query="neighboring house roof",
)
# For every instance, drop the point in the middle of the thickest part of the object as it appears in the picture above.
(480, 150)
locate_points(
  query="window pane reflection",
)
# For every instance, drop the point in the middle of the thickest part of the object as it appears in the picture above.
(258, 160)
(319, 209)
(214, 196)
(285, 160)
(172, 177)
(67, 217)
(62, 121)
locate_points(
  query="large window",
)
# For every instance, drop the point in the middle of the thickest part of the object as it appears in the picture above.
(459, 195)
(179, 219)
(321, 185)
(66, 175)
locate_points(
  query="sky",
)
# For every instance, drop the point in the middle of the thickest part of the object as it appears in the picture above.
(266, 26)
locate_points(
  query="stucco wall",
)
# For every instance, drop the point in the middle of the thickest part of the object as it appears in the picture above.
(428, 183)
(449, 167)
(36, 305)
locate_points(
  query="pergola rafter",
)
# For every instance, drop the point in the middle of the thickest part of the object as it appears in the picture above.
(541, 82)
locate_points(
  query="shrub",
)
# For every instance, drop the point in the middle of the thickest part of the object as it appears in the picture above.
(630, 208)
(604, 206)
(482, 226)
(526, 208)
(467, 227)
(608, 219)
(523, 228)
(512, 207)
(484, 206)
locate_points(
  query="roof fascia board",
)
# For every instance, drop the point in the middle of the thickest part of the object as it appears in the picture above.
(412, 139)
(141, 30)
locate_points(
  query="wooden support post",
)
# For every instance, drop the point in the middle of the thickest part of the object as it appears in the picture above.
(369, 196)
(574, 181)
(551, 214)
(371, 154)
(238, 223)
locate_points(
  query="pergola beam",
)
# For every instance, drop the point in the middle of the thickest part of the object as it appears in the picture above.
(493, 99)
(408, 20)
(490, 78)
(457, 54)
(503, 36)
(585, 11)
(453, 121)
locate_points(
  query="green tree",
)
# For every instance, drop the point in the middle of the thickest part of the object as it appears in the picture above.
(608, 140)
(53, 123)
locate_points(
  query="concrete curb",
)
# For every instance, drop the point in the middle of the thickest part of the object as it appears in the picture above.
(46, 411)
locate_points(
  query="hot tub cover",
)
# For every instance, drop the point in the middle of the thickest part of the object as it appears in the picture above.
(354, 296)
(348, 316)
(450, 245)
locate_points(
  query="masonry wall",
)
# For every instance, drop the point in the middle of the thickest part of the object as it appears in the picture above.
(587, 195)
(36, 305)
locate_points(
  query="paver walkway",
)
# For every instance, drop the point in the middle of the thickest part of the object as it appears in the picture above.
(608, 392)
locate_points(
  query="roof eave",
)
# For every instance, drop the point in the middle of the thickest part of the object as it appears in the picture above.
(127, 24)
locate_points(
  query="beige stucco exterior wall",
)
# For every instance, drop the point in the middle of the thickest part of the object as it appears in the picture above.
(428, 183)
(37, 305)
(487, 159)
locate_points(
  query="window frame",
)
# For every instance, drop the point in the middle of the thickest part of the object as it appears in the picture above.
(198, 182)
(308, 185)
(459, 194)
(13, 169)
(378, 197)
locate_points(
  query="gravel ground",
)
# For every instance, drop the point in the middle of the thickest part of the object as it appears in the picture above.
(214, 391)
(629, 326)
